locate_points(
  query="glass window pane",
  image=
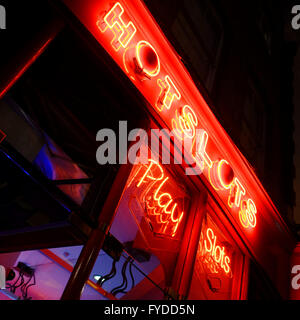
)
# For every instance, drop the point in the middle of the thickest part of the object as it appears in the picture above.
(216, 265)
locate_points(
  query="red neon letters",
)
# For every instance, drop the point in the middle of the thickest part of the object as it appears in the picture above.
(185, 123)
(168, 93)
(217, 252)
(221, 175)
(213, 255)
(122, 32)
(147, 59)
(142, 64)
(161, 207)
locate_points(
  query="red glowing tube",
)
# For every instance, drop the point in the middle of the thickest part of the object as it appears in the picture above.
(216, 253)
(237, 191)
(122, 32)
(2, 136)
(221, 175)
(168, 93)
(247, 214)
(25, 67)
(185, 123)
(147, 58)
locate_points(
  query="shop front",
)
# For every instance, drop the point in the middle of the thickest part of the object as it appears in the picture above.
(238, 221)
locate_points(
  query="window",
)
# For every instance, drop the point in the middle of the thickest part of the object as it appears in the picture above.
(218, 266)
(149, 224)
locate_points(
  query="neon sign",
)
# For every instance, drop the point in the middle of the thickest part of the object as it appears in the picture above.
(164, 209)
(142, 63)
(216, 252)
(130, 35)
(147, 59)
(213, 255)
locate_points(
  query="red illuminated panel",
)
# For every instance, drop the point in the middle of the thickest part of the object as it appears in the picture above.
(113, 22)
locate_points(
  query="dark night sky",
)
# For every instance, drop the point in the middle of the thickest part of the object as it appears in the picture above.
(292, 35)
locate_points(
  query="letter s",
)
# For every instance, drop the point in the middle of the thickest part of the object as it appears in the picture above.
(295, 20)
(210, 240)
(295, 280)
(227, 265)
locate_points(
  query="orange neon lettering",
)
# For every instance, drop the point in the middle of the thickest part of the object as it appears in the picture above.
(236, 192)
(216, 252)
(176, 221)
(216, 175)
(208, 237)
(164, 206)
(224, 185)
(247, 214)
(123, 33)
(252, 211)
(200, 154)
(185, 123)
(227, 267)
(149, 173)
(149, 60)
(158, 203)
(168, 92)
